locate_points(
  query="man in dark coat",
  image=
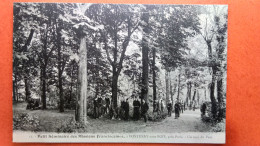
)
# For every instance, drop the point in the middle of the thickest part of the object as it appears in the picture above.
(99, 102)
(177, 110)
(203, 108)
(122, 110)
(169, 108)
(136, 105)
(126, 109)
(107, 105)
(144, 108)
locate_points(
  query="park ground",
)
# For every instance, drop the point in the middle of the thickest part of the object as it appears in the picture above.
(51, 120)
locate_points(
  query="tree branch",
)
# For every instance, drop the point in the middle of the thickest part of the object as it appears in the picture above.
(107, 53)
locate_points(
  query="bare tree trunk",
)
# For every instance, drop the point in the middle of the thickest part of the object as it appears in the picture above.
(179, 81)
(198, 96)
(167, 86)
(171, 91)
(27, 88)
(114, 88)
(44, 87)
(205, 93)
(145, 57)
(60, 83)
(220, 90)
(190, 86)
(194, 95)
(154, 79)
(81, 115)
(212, 85)
(15, 87)
(26, 70)
(212, 96)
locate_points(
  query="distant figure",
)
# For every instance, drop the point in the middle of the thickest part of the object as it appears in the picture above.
(162, 106)
(33, 104)
(182, 106)
(203, 109)
(169, 108)
(136, 105)
(111, 112)
(177, 110)
(194, 106)
(122, 110)
(144, 108)
(95, 103)
(30, 104)
(107, 105)
(99, 105)
(36, 104)
(126, 109)
(156, 107)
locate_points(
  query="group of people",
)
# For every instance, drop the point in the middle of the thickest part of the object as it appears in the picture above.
(139, 109)
(179, 107)
(99, 108)
(33, 104)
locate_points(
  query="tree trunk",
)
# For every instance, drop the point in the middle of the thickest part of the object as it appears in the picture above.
(43, 69)
(220, 99)
(205, 93)
(14, 87)
(114, 88)
(198, 96)
(212, 96)
(179, 81)
(220, 90)
(194, 95)
(145, 57)
(71, 90)
(26, 63)
(61, 92)
(212, 85)
(171, 91)
(27, 88)
(188, 92)
(81, 114)
(44, 87)
(190, 86)
(60, 83)
(154, 78)
(167, 86)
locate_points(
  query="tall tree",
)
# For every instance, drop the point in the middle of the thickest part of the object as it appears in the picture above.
(209, 34)
(119, 25)
(25, 20)
(145, 54)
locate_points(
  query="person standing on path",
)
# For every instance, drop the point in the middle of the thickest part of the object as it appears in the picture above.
(126, 109)
(145, 108)
(177, 110)
(162, 107)
(169, 108)
(136, 104)
(107, 105)
(95, 108)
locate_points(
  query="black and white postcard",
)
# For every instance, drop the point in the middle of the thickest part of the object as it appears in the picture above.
(85, 73)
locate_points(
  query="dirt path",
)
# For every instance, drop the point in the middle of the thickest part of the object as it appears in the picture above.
(189, 121)
(50, 120)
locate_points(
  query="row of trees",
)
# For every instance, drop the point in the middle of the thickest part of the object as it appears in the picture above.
(82, 49)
